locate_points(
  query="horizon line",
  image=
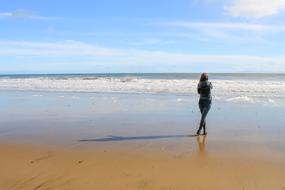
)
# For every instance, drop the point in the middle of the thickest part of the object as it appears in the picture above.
(82, 73)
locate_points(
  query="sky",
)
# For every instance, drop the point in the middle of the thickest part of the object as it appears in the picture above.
(146, 36)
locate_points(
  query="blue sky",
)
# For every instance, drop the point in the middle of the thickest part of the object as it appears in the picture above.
(142, 36)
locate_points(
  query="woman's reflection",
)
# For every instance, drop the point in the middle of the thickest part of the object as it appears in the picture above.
(201, 141)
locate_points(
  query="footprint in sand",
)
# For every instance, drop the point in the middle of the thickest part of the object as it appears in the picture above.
(145, 183)
(49, 154)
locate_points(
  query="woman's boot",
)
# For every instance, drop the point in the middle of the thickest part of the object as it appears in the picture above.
(200, 127)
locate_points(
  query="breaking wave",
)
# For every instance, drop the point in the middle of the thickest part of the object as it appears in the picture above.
(230, 90)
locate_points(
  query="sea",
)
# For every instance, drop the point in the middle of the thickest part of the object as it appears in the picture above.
(265, 89)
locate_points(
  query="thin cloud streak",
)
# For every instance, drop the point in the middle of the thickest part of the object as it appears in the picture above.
(186, 58)
(26, 15)
(219, 25)
(67, 48)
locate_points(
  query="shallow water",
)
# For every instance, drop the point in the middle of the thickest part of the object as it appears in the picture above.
(131, 120)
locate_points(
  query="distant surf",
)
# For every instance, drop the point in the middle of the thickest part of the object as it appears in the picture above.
(250, 88)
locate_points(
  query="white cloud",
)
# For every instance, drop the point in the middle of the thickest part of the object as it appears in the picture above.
(21, 14)
(255, 8)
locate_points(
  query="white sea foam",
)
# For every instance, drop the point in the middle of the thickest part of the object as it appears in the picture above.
(37, 95)
(229, 90)
(241, 99)
(271, 101)
(217, 98)
(179, 100)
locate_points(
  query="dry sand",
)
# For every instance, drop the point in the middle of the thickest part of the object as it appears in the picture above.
(27, 167)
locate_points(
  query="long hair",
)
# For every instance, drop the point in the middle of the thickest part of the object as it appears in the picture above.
(204, 77)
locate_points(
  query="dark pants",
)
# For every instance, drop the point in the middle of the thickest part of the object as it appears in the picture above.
(204, 106)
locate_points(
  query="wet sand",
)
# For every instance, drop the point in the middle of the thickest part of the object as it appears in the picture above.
(76, 144)
(28, 167)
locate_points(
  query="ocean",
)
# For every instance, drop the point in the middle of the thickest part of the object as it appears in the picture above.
(265, 89)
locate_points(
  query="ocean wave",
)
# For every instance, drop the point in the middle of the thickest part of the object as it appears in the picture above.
(235, 90)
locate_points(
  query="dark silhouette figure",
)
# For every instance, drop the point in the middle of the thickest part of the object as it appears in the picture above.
(205, 101)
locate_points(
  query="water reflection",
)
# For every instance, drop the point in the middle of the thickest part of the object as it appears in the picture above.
(201, 141)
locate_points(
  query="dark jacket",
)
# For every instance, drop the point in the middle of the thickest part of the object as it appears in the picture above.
(204, 89)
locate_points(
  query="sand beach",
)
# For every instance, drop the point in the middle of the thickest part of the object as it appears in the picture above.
(63, 140)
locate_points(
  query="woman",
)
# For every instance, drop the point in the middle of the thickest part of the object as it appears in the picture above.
(204, 89)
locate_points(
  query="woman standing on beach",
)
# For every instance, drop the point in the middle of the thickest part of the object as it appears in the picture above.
(205, 101)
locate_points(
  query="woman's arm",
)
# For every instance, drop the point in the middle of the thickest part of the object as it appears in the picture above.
(198, 89)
